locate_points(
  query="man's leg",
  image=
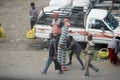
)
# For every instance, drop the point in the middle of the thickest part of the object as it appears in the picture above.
(80, 61)
(32, 23)
(87, 65)
(57, 66)
(49, 61)
(91, 65)
(70, 58)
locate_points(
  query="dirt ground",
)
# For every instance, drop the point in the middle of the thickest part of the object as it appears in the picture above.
(14, 16)
(19, 58)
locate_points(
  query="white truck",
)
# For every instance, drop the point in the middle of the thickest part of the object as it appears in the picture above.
(98, 22)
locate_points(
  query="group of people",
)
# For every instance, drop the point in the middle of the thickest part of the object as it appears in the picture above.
(60, 42)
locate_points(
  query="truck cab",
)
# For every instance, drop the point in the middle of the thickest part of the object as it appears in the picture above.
(102, 25)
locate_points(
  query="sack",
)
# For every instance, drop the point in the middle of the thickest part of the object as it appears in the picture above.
(2, 32)
(56, 30)
(31, 34)
(57, 64)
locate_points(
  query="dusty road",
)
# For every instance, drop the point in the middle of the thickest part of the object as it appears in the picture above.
(19, 59)
(14, 16)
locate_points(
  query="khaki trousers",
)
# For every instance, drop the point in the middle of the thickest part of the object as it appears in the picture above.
(88, 64)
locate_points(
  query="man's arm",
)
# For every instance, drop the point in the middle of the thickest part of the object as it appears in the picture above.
(71, 45)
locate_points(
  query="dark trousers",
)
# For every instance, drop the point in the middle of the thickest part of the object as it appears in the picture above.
(48, 63)
(32, 23)
(78, 58)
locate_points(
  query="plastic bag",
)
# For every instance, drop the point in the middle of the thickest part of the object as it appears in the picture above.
(2, 32)
(31, 34)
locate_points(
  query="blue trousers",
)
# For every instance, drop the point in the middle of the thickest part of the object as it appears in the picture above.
(49, 61)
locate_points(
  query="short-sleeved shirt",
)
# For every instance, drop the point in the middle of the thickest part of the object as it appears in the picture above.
(33, 14)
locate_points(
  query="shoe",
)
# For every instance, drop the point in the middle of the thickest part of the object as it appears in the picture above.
(69, 63)
(64, 69)
(86, 74)
(97, 70)
(44, 73)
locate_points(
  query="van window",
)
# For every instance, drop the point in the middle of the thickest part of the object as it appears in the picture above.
(111, 21)
(99, 25)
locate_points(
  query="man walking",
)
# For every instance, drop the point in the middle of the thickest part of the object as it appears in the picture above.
(33, 14)
(89, 56)
(76, 48)
(52, 55)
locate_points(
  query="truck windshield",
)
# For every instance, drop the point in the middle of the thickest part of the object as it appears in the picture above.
(111, 21)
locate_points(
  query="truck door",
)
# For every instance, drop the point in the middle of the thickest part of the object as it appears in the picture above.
(101, 33)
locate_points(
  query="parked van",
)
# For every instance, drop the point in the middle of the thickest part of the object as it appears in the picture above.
(98, 22)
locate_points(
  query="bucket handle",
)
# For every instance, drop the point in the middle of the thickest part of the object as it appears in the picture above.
(103, 49)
